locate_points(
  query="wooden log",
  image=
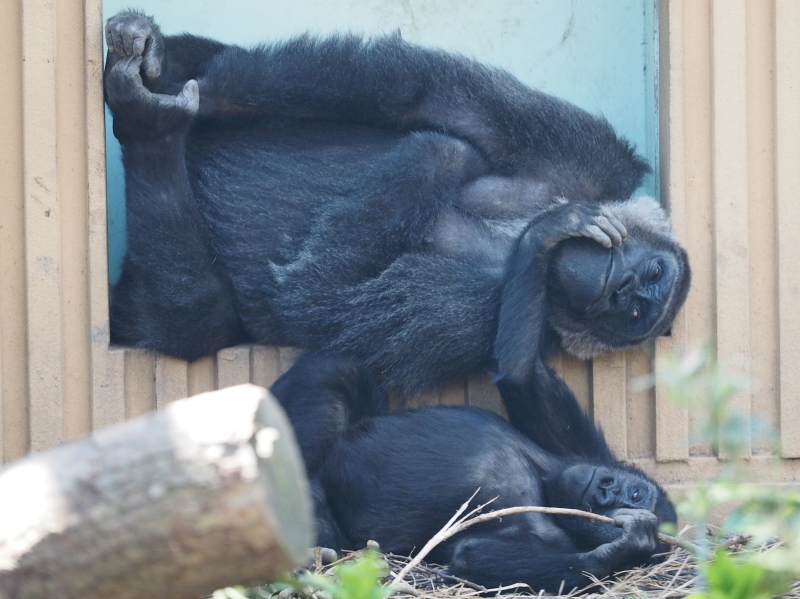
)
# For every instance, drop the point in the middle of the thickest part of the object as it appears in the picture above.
(207, 493)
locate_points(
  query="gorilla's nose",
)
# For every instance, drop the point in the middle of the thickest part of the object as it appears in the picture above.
(621, 296)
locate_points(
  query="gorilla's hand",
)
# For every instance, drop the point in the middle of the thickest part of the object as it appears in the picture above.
(638, 542)
(518, 342)
(576, 219)
(132, 35)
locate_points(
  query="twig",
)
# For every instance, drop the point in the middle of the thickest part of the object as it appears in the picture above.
(675, 577)
(454, 527)
(440, 573)
(735, 540)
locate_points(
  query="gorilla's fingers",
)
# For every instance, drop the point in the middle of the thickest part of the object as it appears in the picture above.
(627, 515)
(152, 57)
(617, 224)
(609, 229)
(131, 34)
(138, 44)
(127, 39)
(189, 98)
(596, 233)
(116, 42)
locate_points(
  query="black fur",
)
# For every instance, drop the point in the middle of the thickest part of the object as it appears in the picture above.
(401, 205)
(398, 478)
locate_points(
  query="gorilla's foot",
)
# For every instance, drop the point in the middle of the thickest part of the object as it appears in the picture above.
(125, 89)
(131, 34)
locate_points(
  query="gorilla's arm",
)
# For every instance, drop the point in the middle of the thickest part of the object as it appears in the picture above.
(544, 409)
(519, 341)
(493, 559)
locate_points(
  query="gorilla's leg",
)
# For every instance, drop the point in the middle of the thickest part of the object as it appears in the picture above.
(324, 394)
(388, 214)
(344, 78)
(517, 129)
(420, 323)
(328, 530)
(347, 291)
(170, 292)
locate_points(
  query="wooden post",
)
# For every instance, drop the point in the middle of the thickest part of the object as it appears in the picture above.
(207, 493)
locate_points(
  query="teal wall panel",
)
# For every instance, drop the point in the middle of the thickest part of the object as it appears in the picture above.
(599, 55)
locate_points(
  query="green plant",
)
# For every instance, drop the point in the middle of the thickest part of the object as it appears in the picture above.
(764, 514)
(359, 576)
(357, 579)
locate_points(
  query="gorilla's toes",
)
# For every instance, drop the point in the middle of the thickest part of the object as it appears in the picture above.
(131, 34)
(189, 98)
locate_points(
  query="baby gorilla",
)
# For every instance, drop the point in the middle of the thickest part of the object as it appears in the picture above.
(398, 477)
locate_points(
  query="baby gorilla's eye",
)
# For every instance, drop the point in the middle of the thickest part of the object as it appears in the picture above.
(635, 495)
(634, 314)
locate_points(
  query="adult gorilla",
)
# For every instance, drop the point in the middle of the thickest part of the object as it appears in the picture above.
(398, 478)
(411, 208)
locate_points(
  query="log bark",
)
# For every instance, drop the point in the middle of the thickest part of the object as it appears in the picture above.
(207, 493)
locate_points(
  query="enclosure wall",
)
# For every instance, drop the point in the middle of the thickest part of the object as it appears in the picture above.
(730, 91)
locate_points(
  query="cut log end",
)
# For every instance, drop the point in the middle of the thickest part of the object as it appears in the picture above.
(207, 493)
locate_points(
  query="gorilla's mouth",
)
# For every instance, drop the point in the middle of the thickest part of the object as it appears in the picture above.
(587, 274)
(585, 503)
(601, 303)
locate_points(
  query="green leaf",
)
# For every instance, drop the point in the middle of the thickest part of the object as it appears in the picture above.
(357, 579)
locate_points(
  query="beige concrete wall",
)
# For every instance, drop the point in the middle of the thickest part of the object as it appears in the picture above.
(730, 87)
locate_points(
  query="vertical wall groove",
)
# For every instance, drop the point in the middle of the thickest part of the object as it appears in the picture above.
(787, 176)
(42, 224)
(609, 382)
(107, 375)
(14, 414)
(671, 422)
(730, 186)
(761, 215)
(72, 185)
(694, 84)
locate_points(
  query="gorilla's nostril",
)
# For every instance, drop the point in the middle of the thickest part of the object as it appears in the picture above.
(627, 283)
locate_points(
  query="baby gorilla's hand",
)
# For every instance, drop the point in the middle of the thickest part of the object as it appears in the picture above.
(639, 531)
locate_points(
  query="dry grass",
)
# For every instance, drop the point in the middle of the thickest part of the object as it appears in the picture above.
(673, 578)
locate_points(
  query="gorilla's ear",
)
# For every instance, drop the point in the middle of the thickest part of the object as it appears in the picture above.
(644, 213)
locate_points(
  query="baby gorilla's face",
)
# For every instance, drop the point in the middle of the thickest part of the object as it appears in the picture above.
(600, 489)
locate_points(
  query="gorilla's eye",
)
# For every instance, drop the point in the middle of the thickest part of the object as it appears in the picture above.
(655, 274)
(634, 314)
(636, 494)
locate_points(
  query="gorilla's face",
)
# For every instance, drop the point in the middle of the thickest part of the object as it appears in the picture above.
(602, 299)
(602, 489)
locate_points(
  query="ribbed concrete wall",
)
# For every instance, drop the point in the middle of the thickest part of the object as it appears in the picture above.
(730, 87)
